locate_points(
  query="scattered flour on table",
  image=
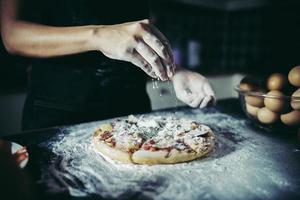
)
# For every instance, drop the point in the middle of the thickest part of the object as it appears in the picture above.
(240, 166)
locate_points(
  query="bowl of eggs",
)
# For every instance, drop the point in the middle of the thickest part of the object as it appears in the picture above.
(272, 103)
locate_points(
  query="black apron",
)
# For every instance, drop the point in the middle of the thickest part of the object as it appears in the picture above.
(87, 86)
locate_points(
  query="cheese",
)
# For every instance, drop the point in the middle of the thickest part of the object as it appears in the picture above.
(166, 132)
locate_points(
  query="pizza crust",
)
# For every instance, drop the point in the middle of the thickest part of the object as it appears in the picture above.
(165, 157)
(110, 152)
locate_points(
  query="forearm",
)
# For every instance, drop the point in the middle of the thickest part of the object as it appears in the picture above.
(29, 39)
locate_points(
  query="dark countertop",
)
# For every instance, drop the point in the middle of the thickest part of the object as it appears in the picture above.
(278, 158)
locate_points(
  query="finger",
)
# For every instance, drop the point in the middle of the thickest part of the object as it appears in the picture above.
(163, 39)
(196, 102)
(205, 101)
(171, 64)
(139, 61)
(156, 45)
(20, 158)
(161, 50)
(22, 150)
(209, 92)
(161, 45)
(152, 58)
(207, 88)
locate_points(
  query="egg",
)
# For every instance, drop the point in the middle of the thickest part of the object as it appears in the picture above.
(275, 101)
(295, 103)
(247, 87)
(247, 84)
(252, 110)
(254, 99)
(291, 119)
(276, 81)
(294, 76)
(266, 116)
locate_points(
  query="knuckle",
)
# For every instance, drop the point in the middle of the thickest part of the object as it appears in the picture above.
(128, 51)
(161, 71)
(140, 26)
(135, 39)
(156, 60)
(145, 64)
(147, 67)
(160, 45)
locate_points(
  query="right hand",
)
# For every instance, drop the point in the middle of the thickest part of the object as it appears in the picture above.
(139, 43)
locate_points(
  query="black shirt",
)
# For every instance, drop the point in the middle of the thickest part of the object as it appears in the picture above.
(88, 84)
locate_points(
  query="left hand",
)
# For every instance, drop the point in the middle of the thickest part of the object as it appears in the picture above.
(193, 89)
(19, 156)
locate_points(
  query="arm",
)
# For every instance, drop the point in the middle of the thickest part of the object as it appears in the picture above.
(29, 39)
(137, 42)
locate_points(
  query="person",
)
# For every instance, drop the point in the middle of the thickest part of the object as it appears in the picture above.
(89, 60)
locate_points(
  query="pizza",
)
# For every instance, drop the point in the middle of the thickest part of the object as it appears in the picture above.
(153, 140)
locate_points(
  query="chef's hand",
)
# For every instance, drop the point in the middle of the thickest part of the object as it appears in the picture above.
(14, 182)
(139, 43)
(193, 89)
(19, 156)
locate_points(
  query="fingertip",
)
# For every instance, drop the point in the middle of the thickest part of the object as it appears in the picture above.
(153, 75)
(170, 74)
(164, 77)
(205, 101)
(145, 21)
(212, 100)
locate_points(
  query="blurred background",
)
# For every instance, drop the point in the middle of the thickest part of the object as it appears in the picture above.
(221, 39)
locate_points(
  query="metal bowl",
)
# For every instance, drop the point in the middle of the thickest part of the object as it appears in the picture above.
(281, 121)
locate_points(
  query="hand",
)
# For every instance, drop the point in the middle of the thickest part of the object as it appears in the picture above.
(19, 156)
(14, 183)
(139, 43)
(193, 89)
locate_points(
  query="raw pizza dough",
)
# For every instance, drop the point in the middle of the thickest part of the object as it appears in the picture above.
(153, 140)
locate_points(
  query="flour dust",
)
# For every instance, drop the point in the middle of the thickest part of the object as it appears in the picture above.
(241, 166)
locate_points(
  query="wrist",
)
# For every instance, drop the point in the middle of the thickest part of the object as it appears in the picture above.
(96, 37)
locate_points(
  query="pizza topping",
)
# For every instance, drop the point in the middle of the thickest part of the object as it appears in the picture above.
(180, 145)
(152, 142)
(111, 142)
(105, 135)
(194, 125)
(96, 133)
(146, 146)
(148, 124)
(155, 133)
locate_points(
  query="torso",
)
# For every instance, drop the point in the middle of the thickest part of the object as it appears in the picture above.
(89, 82)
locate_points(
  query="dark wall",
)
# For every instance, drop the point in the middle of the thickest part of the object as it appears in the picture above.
(257, 40)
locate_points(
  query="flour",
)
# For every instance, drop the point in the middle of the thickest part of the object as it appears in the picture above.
(240, 167)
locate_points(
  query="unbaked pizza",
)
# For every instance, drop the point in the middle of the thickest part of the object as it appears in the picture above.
(153, 140)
